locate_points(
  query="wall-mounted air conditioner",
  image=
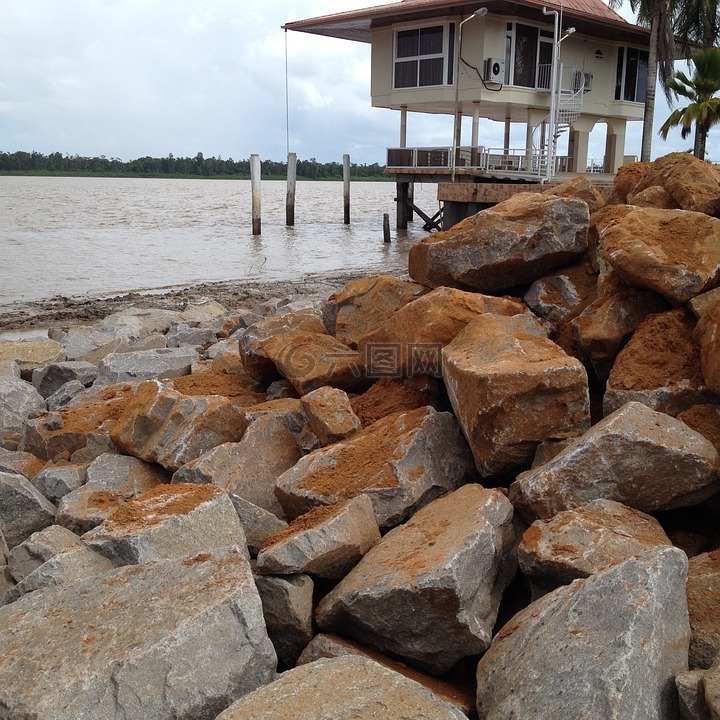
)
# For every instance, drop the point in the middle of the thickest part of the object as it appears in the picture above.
(494, 70)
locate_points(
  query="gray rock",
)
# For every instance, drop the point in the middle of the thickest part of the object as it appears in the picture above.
(330, 414)
(170, 639)
(327, 541)
(580, 542)
(185, 334)
(31, 354)
(361, 689)
(63, 395)
(257, 523)
(553, 298)
(288, 609)
(19, 402)
(204, 310)
(9, 368)
(112, 481)
(712, 690)
(145, 365)
(636, 456)
(419, 592)
(56, 481)
(249, 468)
(47, 380)
(691, 695)
(609, 646)
(17, 461)
(401, 462)
(72, 565)
(39, 548)
(23, 510)
(169, 521)
(6, 581)
(327, 645)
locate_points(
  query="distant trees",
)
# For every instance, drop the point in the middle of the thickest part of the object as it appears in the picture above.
(171, 166)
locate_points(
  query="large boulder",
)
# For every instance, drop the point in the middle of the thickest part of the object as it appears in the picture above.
(580, 542)
(330, 414)
(709, 338)
(327, 541)
(514, 242)
(344, 688)
(676, 253)
(16, 461)
(19, 402)
(390, 395)
(513, 388)
(364, 304)
(38, 549)
(401, 463)
(248, 468)
(179, 638)
(31, 354)
(418, 593)
(23, 510)
(168, 521)
(703, 596)
(140, 365)
(310, 360)
(49, 379)
(692, 183)
(163, 426)
(660, 367)
(408, 343)
(608, 646)
(637, 456)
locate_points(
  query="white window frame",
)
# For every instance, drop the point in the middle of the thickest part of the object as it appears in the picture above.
(625, 49)
(448, 62)
(510, 65)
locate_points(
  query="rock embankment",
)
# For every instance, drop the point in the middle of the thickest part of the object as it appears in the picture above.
(488, 491)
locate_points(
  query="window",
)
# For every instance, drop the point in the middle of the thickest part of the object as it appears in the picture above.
(528, 56)
(424, 56)
(631, 75)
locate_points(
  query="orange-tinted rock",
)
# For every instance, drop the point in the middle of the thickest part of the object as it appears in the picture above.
(69, 429)
(409, 342)
(674, 252)
(704, 419)
(401, 462)
(691, 182)
(703, 596)
(702, 304)
(388, 396)
(708, 332)
(364, 304)
(660, 367)
(626, 178)
(237, 386)
(330, 414)
(514, 242)
(31, 354)
(580, 188)
(22, 462)
(606, 325)
(653, 197)
(310, 360)
(163, 426)
(253, 341)
(513, 388)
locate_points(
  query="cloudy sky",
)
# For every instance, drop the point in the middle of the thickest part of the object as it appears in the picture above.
(129, 78)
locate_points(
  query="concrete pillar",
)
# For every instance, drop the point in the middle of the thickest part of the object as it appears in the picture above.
(578, 150)
(475, 134)
(614, 146)
(403, 126)
(506, 136)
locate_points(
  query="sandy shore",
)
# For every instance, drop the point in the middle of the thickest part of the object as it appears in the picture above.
(60, 310)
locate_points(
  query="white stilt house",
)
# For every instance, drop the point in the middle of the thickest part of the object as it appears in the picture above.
(558, 67)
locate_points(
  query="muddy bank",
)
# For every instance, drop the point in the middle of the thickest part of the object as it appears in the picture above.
(232, 294)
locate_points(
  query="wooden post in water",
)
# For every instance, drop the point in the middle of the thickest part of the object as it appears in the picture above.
(291, 183)
(386, 227)
(346, 188)
(255, 177)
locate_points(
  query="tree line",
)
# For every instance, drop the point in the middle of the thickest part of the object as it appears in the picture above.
(199, 166)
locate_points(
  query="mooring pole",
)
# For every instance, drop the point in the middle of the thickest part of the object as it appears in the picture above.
(386, 227)
(291, 182)
(255, 188)
(346, 188)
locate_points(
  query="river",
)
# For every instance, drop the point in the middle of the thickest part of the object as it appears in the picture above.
(101, 236)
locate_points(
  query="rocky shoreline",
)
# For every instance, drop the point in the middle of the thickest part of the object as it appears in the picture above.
(490, 490)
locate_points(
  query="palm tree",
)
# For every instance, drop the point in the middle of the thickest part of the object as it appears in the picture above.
(657, 15)
(703, 110)
(697, 24)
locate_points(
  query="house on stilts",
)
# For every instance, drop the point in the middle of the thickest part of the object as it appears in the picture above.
(557, 66)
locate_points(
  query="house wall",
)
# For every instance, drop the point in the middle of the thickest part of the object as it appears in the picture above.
(483, 38)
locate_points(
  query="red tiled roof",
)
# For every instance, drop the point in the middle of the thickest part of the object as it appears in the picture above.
(356, 24)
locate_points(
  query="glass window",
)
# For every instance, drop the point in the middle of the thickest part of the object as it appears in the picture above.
(424, 56)
(526, 47)
(631, 76)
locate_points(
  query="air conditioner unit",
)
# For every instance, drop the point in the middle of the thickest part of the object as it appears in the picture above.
(494, 70)
(588, 82)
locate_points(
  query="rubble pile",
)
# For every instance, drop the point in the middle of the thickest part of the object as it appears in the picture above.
(488, 491)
